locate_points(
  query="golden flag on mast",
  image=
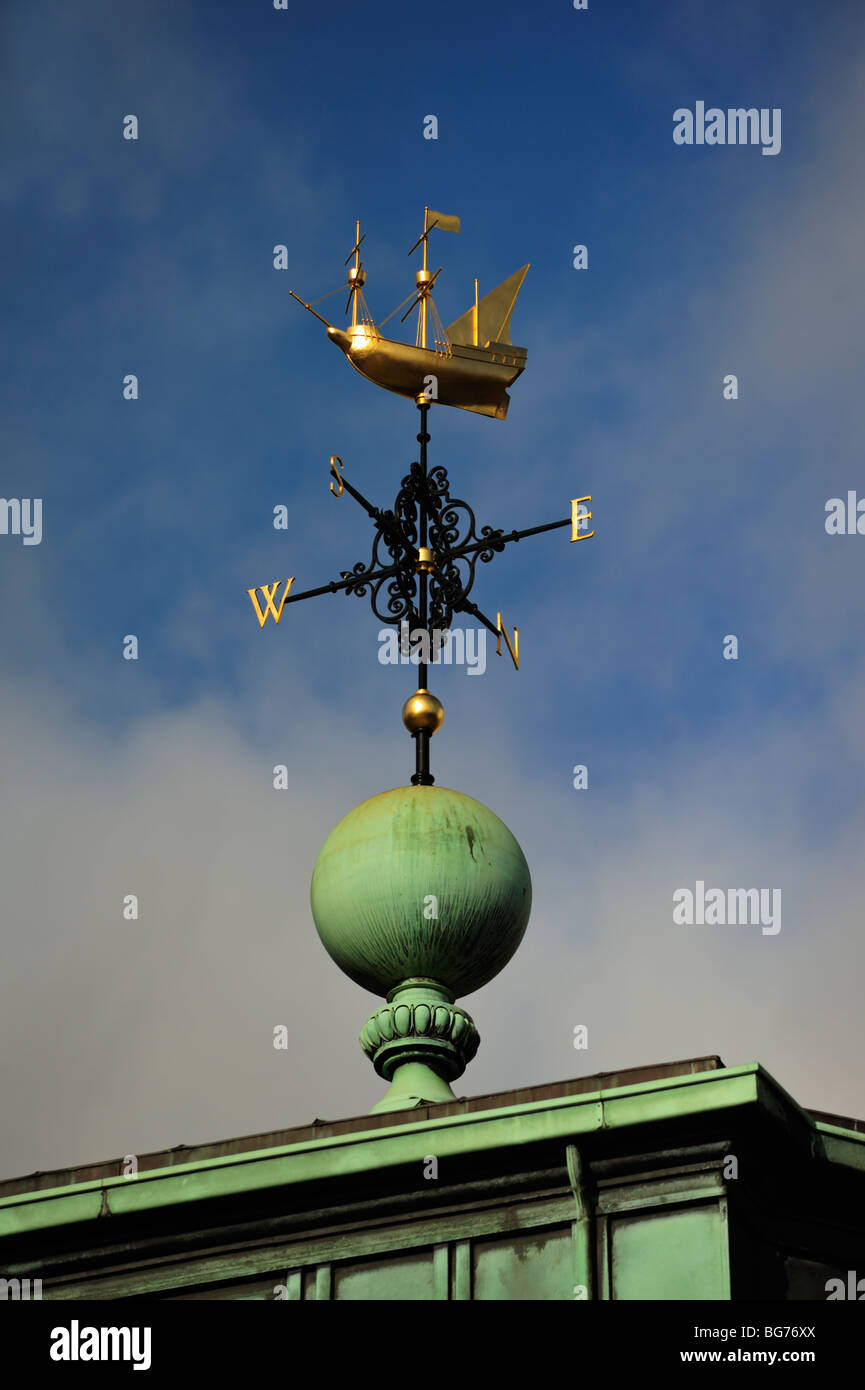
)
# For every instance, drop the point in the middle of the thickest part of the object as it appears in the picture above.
(443, 220)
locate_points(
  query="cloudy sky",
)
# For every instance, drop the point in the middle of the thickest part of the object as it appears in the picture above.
(154, 777)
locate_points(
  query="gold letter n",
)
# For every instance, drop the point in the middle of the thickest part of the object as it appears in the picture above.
(503, 632)
(269, 591)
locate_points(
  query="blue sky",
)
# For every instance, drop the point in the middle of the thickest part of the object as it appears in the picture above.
(259, 128)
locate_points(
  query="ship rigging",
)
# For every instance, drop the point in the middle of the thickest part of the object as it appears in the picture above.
(468, 365)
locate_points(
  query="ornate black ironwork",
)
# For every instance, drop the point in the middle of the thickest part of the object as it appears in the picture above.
(424, 556)
(424, 514)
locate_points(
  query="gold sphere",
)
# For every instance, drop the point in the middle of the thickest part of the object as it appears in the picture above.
(422, 711)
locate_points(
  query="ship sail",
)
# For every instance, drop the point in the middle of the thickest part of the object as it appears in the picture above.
(472, 363)
(494, 314)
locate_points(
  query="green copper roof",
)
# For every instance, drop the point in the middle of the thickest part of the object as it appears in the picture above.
(353, 1156)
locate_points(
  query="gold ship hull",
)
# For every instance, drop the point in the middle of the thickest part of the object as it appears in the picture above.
(471, 378)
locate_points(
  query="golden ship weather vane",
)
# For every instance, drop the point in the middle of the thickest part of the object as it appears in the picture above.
(426, 548)
(470, 363)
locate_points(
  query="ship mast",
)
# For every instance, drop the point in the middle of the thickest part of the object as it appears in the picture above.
(356, 276)
(421, 279)
(424, 280)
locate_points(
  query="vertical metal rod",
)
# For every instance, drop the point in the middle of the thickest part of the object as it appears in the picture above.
(422, 776)
(423, 439)
(423, 287)
(355, 285)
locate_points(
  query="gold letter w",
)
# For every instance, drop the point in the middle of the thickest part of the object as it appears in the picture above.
(269, 590)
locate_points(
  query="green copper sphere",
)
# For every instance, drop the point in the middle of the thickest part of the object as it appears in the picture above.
(421, 883)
